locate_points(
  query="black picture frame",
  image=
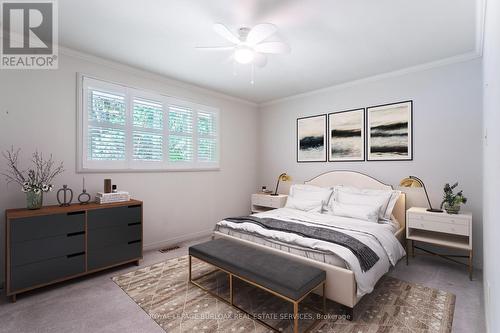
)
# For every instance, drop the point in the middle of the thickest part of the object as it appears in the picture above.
(325, 140)
(363, 138)
(410, 147)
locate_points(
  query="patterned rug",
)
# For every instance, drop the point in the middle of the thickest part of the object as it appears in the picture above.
(163, 292)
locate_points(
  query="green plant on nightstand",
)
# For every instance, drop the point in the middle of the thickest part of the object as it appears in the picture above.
(451, 201)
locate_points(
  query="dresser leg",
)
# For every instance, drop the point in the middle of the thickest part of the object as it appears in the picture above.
(13, 298)
(471, 267)
(137, 262)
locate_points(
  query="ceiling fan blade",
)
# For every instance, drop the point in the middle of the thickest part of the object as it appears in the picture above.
(215, 48)
(272, 47)
(261, 32)
(224, 32)
(260, 60)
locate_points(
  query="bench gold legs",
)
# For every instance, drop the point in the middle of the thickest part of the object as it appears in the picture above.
(231, 296)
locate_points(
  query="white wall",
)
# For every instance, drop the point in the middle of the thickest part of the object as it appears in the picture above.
(447, 132)
(38, 111)
(491, 165)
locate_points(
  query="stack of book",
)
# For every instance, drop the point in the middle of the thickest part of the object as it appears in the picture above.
(119, 196)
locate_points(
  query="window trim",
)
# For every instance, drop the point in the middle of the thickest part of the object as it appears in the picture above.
(83, 165)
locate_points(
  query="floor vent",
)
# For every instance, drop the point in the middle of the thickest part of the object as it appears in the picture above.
(168, 249)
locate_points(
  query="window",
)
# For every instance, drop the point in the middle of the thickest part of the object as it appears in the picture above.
(122, 128)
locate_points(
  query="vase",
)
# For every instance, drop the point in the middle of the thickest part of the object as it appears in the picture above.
(34, 200)
(451, 209)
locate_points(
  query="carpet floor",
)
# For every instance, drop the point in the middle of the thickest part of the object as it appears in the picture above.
(163, 292)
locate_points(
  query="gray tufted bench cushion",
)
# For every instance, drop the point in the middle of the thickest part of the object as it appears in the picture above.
(279, 274)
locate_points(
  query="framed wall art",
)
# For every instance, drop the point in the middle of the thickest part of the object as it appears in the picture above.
(311, 139)
(390, 132)
(346, 136)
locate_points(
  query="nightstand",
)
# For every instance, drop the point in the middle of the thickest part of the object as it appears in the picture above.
(452, 231)
(263, 202)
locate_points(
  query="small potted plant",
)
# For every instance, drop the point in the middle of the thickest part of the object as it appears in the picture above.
(34, 181)
(451, 201)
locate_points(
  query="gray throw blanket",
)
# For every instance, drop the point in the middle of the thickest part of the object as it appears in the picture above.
(366, 256)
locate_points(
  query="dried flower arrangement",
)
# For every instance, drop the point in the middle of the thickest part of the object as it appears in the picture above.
(35, 180)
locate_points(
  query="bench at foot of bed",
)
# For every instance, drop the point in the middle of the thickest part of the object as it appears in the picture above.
(280, 276)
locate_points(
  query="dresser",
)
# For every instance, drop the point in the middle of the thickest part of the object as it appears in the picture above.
(452, 231)
(262, 202)
(54, 244)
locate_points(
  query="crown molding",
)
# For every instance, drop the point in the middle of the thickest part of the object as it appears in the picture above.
(115, 65)
(409, 70)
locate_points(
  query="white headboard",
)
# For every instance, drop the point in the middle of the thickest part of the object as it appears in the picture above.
(348, 178)
(360, 180)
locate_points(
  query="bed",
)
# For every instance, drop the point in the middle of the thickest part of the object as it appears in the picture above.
(341, 280)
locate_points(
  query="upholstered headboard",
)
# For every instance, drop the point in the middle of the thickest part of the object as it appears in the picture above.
(360, 180)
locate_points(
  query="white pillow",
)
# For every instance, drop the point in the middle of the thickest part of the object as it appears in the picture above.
(310, 192)
(362, 212)
(384, 198)
(305, 205)
(390, 207)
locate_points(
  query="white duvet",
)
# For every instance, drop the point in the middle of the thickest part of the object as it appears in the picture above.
(379, 237)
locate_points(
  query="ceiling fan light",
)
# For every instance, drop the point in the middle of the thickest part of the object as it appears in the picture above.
(244, 55)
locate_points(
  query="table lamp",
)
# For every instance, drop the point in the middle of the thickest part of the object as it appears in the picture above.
(284, 178)
(413, 181)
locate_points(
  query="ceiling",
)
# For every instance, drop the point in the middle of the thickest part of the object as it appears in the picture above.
(332, 41)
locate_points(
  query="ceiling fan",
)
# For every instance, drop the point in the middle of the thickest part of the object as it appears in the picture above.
(250, 46)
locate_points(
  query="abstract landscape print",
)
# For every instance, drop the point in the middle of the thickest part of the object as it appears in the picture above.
(311, 139)
(346, 135)
(389, 134)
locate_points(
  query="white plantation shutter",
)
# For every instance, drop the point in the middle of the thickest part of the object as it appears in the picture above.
(106, 144)
(106, 126)
(207, 137)
(180, 127)
(124, 128)
(147, 134)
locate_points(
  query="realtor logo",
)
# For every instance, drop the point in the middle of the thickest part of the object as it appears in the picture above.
(29, 35)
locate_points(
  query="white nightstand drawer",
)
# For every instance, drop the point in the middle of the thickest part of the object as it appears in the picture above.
(262, 200)
(269, 201)
(425, 224)
(441, 219)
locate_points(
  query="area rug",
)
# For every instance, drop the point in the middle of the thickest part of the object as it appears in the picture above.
(163, 292)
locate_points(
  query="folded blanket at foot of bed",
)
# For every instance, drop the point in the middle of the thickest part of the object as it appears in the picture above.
(366, 256)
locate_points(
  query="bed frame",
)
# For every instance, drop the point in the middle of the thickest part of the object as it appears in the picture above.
(340, 282)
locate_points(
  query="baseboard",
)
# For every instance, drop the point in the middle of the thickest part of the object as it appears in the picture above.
(177, 240)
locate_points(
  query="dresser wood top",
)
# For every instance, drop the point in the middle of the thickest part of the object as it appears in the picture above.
(55, 209)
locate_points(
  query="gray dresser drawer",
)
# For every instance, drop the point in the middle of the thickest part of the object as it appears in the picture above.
(47, 248)
(24, 229)
(113, 217)
(47, 271)
(105, 237)
(111, 255)
(55, 243)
